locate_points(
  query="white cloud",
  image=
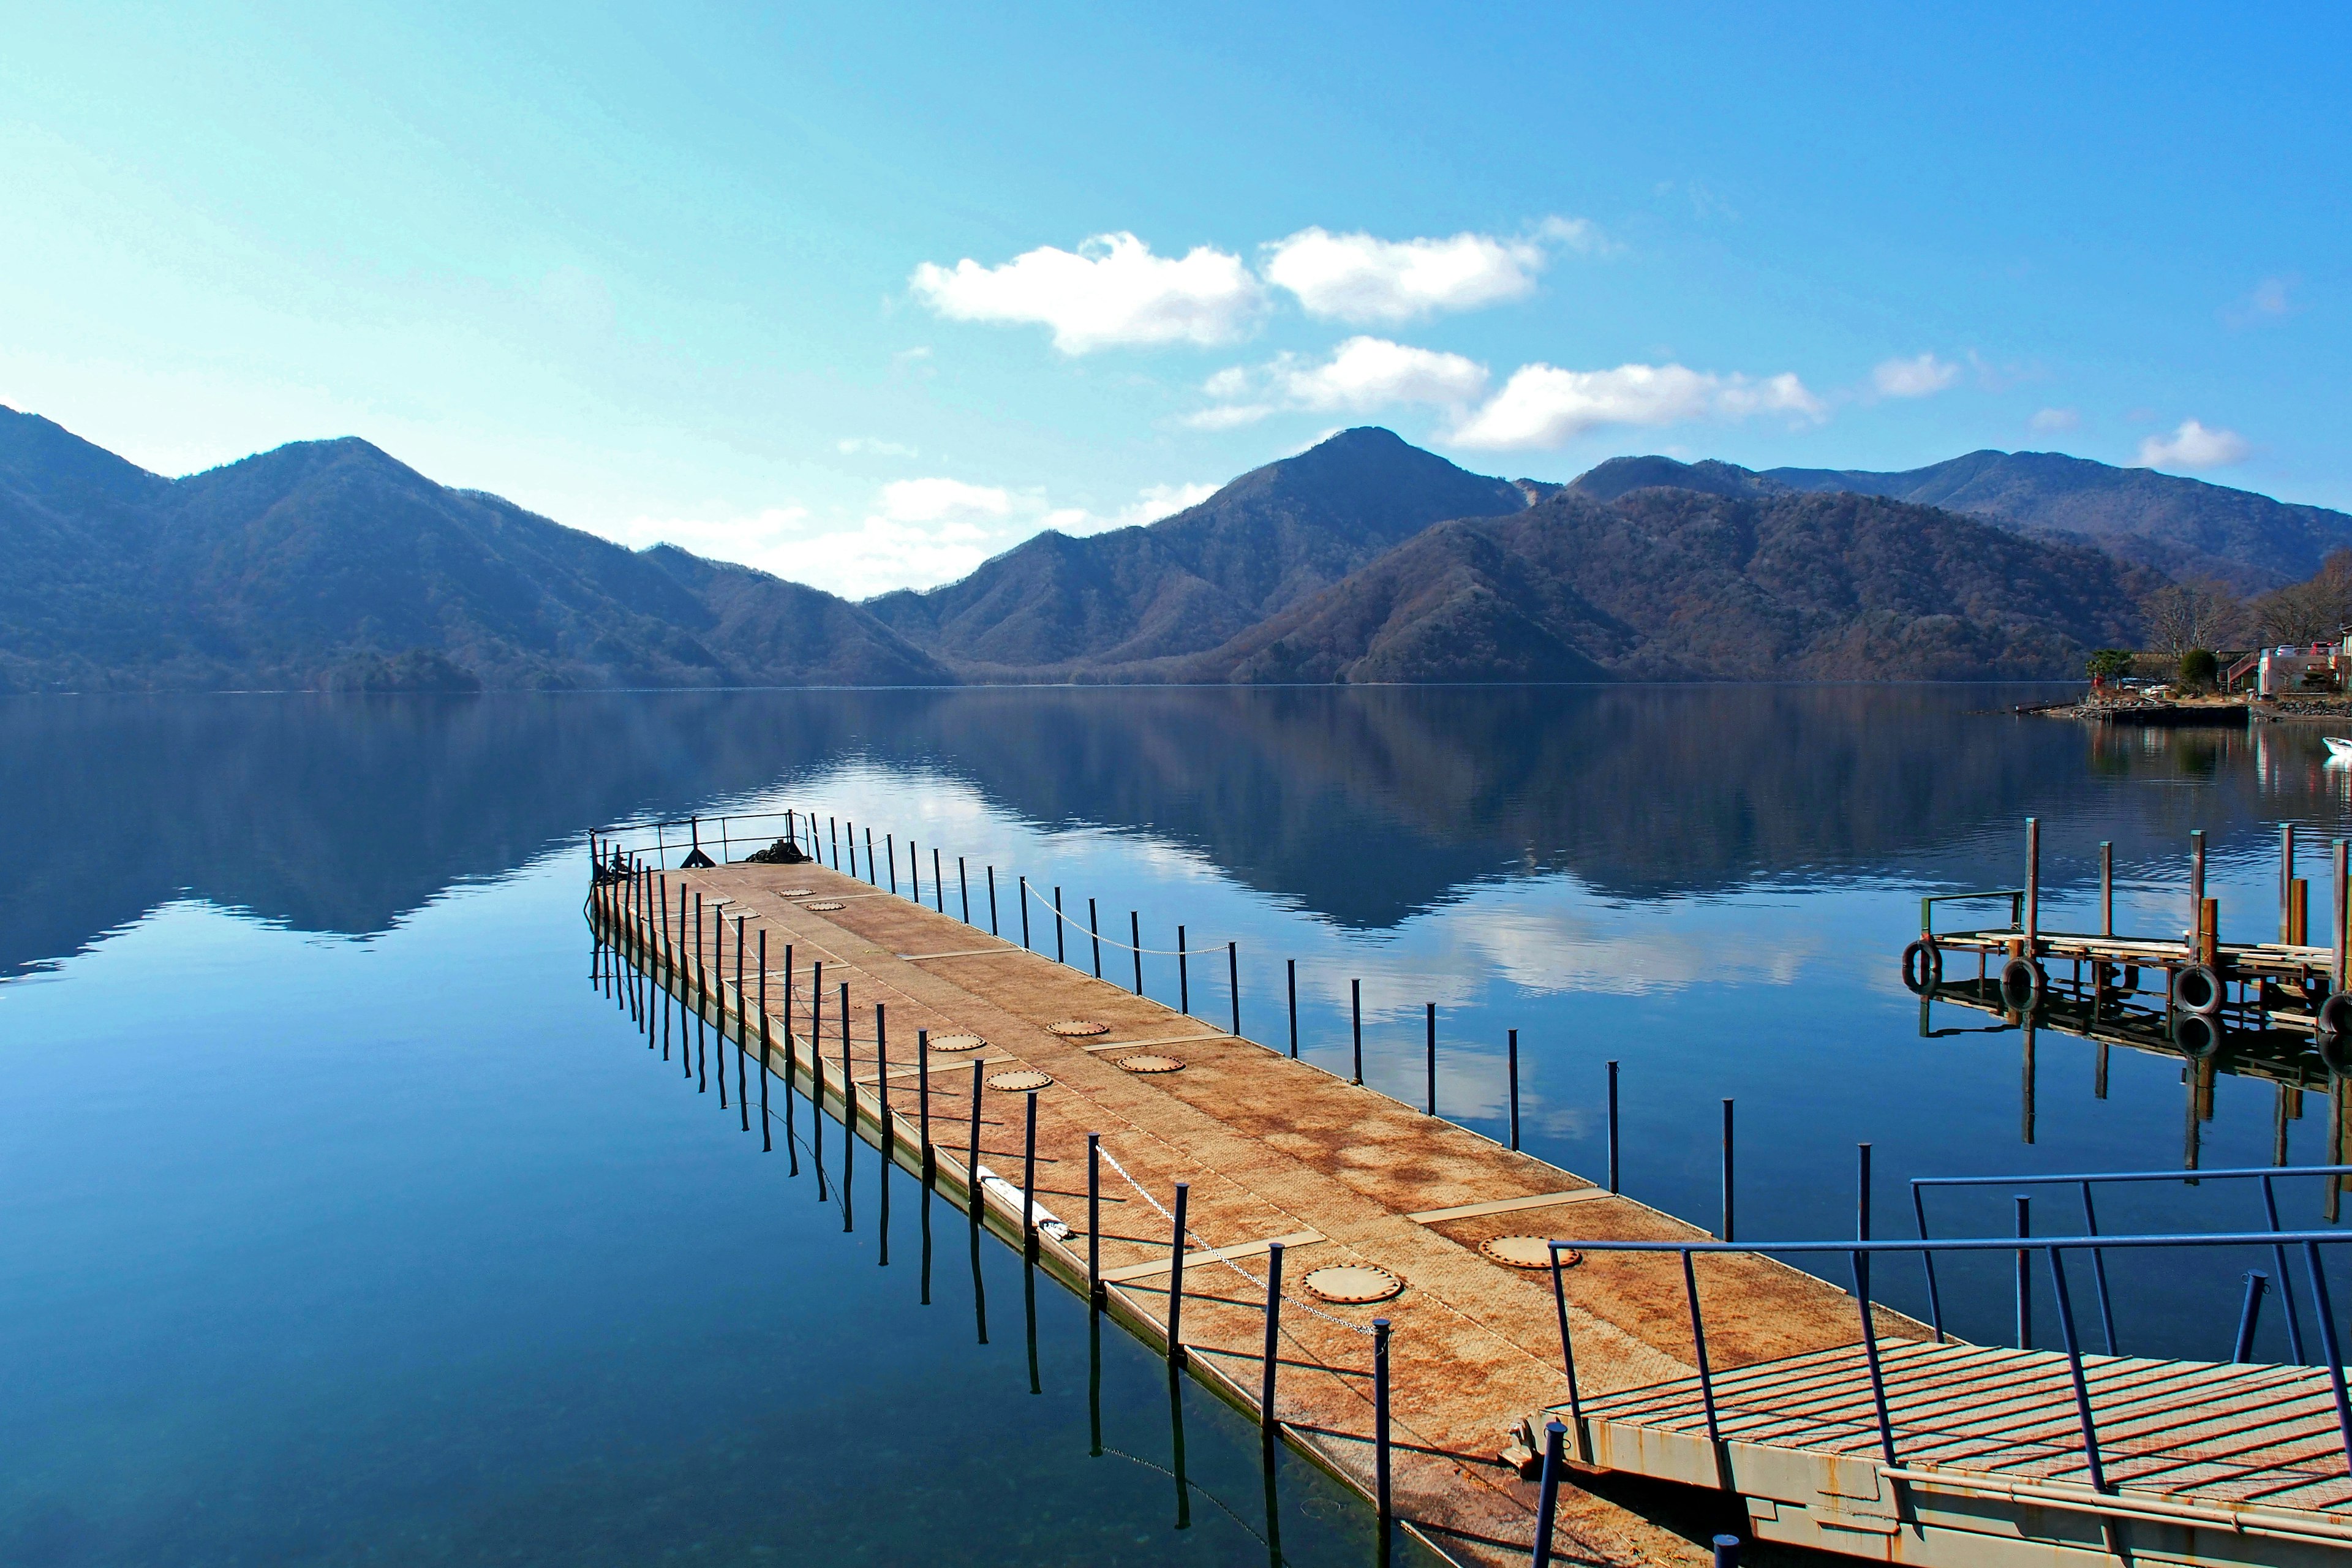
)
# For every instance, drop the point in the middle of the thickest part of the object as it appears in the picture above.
(2055, 420)
(1361, 279)
(868, 446)
(1110, 290)
(1364, 373)
(2272, 299)
(1542, 405)
(1912, 377)
(2192, 445)
(940, 501)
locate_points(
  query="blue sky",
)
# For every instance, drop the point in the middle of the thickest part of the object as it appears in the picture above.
(863, 299)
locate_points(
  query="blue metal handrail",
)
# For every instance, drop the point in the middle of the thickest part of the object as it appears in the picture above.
(2311, 1241)
(2016, 896)
(2083, 1179)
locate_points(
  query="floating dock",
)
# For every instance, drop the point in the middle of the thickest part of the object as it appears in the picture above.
(1271, 1148)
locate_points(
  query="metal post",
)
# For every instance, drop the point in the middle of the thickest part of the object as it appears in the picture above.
(923, 1102)
(914, 872)
(1061, 950)
(2325, 1313)
(742, 1033)
(1727, 1235)
(1356, 1014)
(2074, 1369)
(869, 859)
(2286, 880)
(2257, 1282)
(1233, 983)
(2340, 917)
(1029, 1182)
(2107, 888)
(1726, 1551)
(1512, 1057)
(1094, 935)
(1292, 967)
(963, 885)
(2025, 1277)
(972, 1158)
(890, 851)
(2099, 1272)
(1381, 1415)
(1547, 1497)
(1870, 1353)
(1566, 1348)
(1272, 1360)
(1183, 976)
(1613, 1127)
(882, 1094)
(1698, 1348)
(1021, 897)
(1176, 1276)
(2032, 889)
(2196, 895)
(767, 1140)
(1094, 1216)
(939, 886)
(2286, 1288)
(991, 901)
(1862, 1221)
(1430, 1098)
(1135, 945)
(832, 831)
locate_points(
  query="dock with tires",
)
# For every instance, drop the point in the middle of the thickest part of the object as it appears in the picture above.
(2206, 987)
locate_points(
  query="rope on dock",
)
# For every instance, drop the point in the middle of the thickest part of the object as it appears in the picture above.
(1093, 935)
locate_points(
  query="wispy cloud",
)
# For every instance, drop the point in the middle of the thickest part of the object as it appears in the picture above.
(1361, 374)
(871, 447)
(2052, 421)
(2271, 299)
(1542, 405)
(1361, 279)
(2193, 445)
(1918, 377)
(1111, 290)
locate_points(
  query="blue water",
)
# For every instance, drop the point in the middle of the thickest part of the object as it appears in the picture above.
(347, 1221)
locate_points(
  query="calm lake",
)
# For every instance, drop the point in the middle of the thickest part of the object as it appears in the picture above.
(347, 1221)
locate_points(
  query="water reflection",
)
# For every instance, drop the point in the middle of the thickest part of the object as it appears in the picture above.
(1363, 805)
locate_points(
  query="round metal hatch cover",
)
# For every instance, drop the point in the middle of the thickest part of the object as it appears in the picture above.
(1149, 1063)
(1526, 1252)
(1353, 1284)
(1018, 1082)
(1077, 1028)
(956, 1042)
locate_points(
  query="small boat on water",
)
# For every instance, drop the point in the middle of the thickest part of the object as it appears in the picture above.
(2339, 748)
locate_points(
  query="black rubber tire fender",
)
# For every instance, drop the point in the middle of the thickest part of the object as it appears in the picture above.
(2334, 1032)
(2022, 984)
(2199, 1035)
(2198, 989)
(1922, 966)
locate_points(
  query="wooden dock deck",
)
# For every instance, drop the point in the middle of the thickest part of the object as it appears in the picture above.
(1273, 1148)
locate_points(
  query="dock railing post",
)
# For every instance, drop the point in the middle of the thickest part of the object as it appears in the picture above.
(869, 861)
(2285, 1280)
(1613, 1127)
(1861, 1213)
(2197, 896)
(992, 902)
(1511, 1056)
(1380, 1415)
(1268, 1423)
(767, 1138)
(1233, 983)
(742, 1028)
(963, 886)
(2024, 1276)
(832, 831)
(938, 885)
(2249, 1310)
(2341, 917)
(923, 1101)
(2325, 1313)
(2075, 1371)
(1567, 1347)
(1291, 982)
(2033, 889)
(890, 850)
(1094, 1217)
(914, 872)
(1548, 1494)
(1176, 1276)
(1430, 1064)
(2099, 1270)
(882, 1091)
(1029, 1183)
(1699, 1350)
(1356, 1017)
(1927, 1262)
(1021, 897)
(1183, 976)
(1727, 1216)
(1060, 948)
(972, 1156)
(1726, 1551)
(1094, 935)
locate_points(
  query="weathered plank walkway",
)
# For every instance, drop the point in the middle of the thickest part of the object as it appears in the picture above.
(1273, 1148)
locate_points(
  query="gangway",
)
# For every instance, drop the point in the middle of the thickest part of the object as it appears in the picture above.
(1947, 1455)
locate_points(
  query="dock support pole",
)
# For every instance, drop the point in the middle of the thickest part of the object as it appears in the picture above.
(1726, 1551)
(1292, 970)
(1183, 976)
(1512, 1058)
(963, 885)
(2286, 881)
(2257, 1282)
(1176, 1278)
(1022, 898)
(991, 901)
(2032, 889)
(1430, 1064)
(1548, 1499)
(923, 1104)
(1060, 948)
(1613, 1128)
(914, 872)
(1094, 935)
(767, 1138)
(1094, 1217)
(1029, 1183)
(890, 848)
(882, 1096)
(1380, 1415)
(869, 860)
(1356, 1012)
(2106, 887)
(742, 1029)
(939, 884)
(1727, 1235)
(2197, 896)
(1267, 1425)
(1861, 1220)
(1135, 945)
(2341, 916)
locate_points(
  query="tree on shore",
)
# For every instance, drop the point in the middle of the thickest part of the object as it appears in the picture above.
(2185, 615)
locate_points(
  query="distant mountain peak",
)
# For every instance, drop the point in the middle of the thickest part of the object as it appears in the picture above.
(1620, 476)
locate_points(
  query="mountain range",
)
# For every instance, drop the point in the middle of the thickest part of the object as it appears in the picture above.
(1362, 559)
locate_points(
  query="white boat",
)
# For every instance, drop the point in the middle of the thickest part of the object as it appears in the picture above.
(2339, 748)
